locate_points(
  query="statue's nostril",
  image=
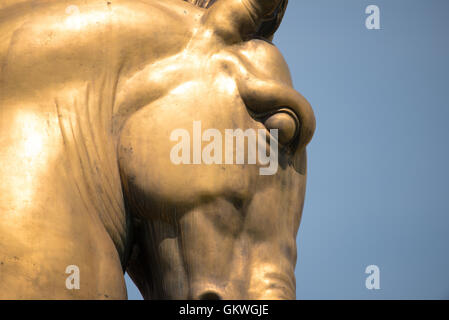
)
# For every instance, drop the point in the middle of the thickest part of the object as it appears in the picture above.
(210, 295)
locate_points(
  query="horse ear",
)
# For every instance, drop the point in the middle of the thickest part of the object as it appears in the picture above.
(270, 24)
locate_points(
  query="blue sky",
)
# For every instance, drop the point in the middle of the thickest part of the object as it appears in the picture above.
(378, 184)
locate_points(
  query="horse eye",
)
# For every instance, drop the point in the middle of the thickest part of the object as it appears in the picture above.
(287, 124)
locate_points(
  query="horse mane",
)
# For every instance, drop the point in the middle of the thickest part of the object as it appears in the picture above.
(267, 28)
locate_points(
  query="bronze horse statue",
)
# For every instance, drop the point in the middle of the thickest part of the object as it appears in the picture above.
(90, 92)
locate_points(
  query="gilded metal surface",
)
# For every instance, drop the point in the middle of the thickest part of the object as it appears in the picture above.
(90, 92)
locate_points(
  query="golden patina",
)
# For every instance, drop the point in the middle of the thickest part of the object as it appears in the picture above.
(90, 92)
